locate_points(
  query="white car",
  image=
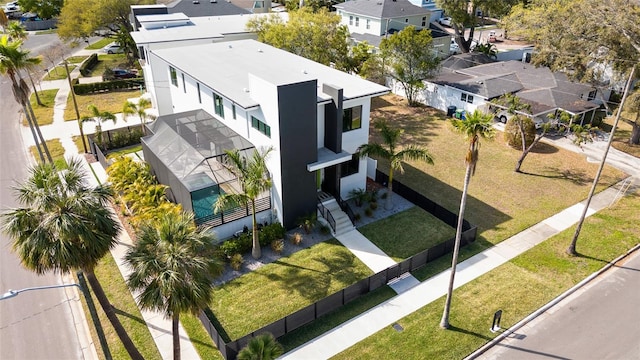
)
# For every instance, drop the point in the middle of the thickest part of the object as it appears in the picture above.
(113, 48)
(445, 21)
(454, 48)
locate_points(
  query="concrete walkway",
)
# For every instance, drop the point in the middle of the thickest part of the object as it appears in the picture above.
(349, 333)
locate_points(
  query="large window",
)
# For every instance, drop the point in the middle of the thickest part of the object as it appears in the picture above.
(466, 98)
(174, 76)
(350, 167)
(260, 126)
(352, 119)
(218, 105)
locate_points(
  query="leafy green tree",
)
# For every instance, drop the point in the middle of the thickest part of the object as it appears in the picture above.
(12, 61)
(45, 9)
(359, 54)
(261, 347)
(580, 37)
(252, 174)
(99, 117)
(389, 150)
(487, 49)
(130, 108)
(316, 36)
(80, 19)
(173, 266)
(463, 16)
(477, 126)
(65, 225)
(124, 39)
(412, 59)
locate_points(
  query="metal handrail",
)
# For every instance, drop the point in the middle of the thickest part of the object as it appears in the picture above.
(347, 209)
(327, 215)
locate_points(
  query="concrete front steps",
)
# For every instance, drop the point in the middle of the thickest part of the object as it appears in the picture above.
(343, 223)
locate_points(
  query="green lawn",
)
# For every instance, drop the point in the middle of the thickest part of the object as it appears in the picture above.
(500, 201)
(76, 59)
(124, 151)
(55, 149)
(109, 61)
(58, 73)
(278, 289)
(407, 233)
(110, 101)
(518, 288)
(99, 44)
(44, 113)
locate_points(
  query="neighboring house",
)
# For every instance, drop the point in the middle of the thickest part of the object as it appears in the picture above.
(173, 30)
(436, 12)
(473, 87)
(189, 8)
(371, 21)
(314, 117)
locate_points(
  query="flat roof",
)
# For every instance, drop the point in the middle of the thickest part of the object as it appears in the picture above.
(225, 67)
(207, 27)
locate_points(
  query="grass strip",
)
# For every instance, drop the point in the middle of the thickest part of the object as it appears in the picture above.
(76, 59)
(58, 73)
(55, 149)
(199, 337)
(99, 44)
(280, 288)
(518, 287)
(44, 113)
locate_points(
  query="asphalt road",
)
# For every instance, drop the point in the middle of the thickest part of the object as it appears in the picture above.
(35, 324)
(600, 321)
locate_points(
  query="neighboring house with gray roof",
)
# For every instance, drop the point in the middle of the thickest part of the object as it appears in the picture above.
(372, 20)
(315, 117)
(473, 87)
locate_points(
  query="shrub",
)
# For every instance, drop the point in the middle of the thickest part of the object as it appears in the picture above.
(512, 132)
(372, 195)
(296, 238)
(271, 232)
(277, 246)
(384, 195)
(236, 261)
(89, 64)
(358, 195)
(106, 86)
(373, 205)
(324, 230)
(308, 222)
(357, 216)
(368, 212)
(240, 245)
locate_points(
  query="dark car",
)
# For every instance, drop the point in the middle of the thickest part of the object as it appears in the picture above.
(123, 74)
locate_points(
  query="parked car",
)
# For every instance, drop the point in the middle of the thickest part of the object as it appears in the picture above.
(454, 48)
(445, 21)
(124, 74)
(113, 48)
(503, 116)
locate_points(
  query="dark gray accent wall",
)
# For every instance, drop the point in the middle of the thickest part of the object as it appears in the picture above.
(298, 107)
(145, 11)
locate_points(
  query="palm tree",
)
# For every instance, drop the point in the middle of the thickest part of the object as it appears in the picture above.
(12, 60)
(254, 180)
(477, 125)
(173, 268)
(130, 108)
(98, 117)
(16, 31)
(389, 150)
(261, 347)
(65, 225)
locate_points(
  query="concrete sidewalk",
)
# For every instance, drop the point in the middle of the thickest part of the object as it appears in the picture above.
(394, 309)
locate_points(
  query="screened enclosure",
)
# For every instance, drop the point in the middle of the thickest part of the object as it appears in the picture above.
(186, 151)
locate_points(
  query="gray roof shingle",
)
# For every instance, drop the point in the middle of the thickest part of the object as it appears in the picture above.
(382, 9)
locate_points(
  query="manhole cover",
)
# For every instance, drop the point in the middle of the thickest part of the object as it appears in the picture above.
(398, 327)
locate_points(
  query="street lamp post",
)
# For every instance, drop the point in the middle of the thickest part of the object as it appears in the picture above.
(13, 293)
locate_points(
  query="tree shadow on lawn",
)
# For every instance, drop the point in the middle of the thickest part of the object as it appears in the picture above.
(544, 148)
(577, 177)
(314, 284)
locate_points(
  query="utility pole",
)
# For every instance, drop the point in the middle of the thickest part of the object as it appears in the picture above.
(571, 250)
(75, 104)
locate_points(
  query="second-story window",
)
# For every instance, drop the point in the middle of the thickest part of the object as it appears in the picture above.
(260, 126)
(352, 118)
(350, 20)
(350, 167)
(368, 24)
(218, 105)
(174, 76)
(233, 111)
(357, 21)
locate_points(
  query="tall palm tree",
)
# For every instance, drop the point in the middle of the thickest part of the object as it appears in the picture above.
(261, 347)
(477, 125)
(16, 31)
(65, 225)
(173, 268)
(389, 150)
(130, 108)
(12, 60)
(254, 180)
(98, 117)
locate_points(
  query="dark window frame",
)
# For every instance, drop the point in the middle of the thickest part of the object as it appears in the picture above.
(261, 126)
(348, 119)
(218, 105)
(173, 75)
(184, 84)
(350, 167)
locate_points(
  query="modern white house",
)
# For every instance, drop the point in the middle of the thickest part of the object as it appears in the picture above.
(161, 31)
(243, 94)
(372, 20)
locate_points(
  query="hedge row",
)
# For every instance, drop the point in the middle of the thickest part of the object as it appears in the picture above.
(106, 86)
(87, 65)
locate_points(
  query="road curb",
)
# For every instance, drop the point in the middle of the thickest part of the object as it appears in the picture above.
(542, 310)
